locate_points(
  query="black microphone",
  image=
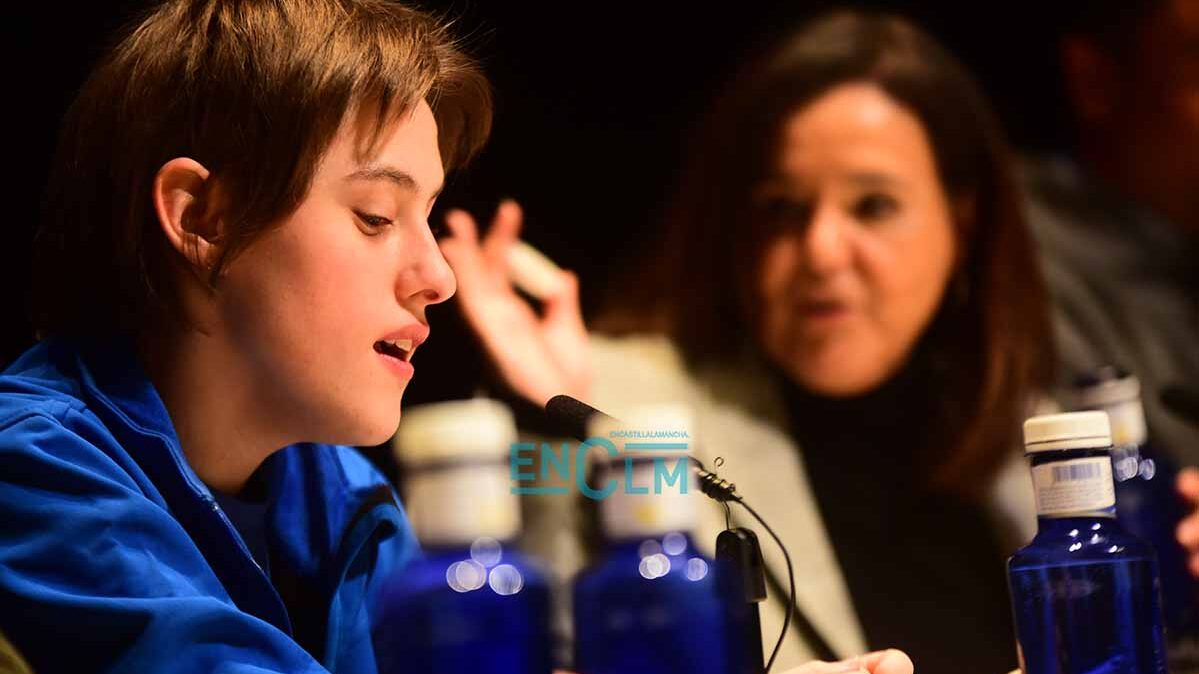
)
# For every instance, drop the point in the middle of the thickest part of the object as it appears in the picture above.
(571, 417)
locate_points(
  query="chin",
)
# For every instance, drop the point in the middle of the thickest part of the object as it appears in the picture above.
(835, 382)
(835, 389)
(843, 368)
(380, 433)
(366, 428)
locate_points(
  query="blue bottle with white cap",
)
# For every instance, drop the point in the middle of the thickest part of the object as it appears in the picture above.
(1147, 506)
(1086, 595)
(472, 603)
(651, 603)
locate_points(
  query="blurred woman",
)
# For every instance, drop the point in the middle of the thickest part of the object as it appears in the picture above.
(847, 295)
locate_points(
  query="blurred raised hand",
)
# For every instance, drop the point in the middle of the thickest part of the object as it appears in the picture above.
(538, 356)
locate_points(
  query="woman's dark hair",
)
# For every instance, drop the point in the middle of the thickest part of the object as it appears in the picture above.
(994, 329)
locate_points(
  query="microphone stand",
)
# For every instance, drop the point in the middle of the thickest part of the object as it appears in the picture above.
(737, 546)
(739, 561)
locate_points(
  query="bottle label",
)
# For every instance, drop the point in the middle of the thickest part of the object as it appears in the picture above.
(1074, 486)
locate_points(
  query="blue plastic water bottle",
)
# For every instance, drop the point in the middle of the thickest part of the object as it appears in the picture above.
(1147, 505)
(651, 603)
(1085, 593)
(472, 603)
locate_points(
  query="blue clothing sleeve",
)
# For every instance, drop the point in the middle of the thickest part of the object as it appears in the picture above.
(97, 575)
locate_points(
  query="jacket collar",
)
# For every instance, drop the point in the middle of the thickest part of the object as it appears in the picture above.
(301, 476)
(112, 377)
(319, 521)
(122, 395)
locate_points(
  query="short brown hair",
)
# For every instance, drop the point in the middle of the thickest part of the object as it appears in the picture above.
(255, 90)
(996, 335)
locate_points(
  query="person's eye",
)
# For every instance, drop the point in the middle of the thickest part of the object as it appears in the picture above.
(438, 228)
(785, 211)
(875, 206)
(372, 223)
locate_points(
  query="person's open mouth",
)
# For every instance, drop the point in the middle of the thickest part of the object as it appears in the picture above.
(400, 349)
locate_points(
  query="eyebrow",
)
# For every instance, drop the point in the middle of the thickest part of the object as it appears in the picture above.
(871, 179)
(400, 178)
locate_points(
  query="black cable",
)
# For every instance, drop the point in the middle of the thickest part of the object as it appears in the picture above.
(572, 415)
(724, 491)
(811, 636)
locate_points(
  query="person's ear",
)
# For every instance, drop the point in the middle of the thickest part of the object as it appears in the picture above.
(1091, 80)
(182, 194)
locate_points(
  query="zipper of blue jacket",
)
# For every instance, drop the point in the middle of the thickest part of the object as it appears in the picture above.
(203, 507)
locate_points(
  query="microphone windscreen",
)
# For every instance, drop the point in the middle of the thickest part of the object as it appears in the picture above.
(571, 416)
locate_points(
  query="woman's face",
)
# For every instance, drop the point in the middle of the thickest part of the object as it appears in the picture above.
(863, 242)
(310, 305)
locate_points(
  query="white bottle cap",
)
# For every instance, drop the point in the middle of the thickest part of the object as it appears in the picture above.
(1119, 395)
(665, 508)
(1106, 392)
(460, 429)
(459, 489)
(1074, 430)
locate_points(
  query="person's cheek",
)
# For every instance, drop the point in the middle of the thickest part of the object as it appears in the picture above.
(884, 297)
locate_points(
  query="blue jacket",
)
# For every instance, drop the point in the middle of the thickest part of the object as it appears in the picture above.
(115, 557)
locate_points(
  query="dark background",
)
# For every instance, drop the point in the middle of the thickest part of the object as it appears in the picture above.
(594, 102)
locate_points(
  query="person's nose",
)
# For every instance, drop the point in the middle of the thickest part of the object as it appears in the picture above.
(427, 279)
(825, 242)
